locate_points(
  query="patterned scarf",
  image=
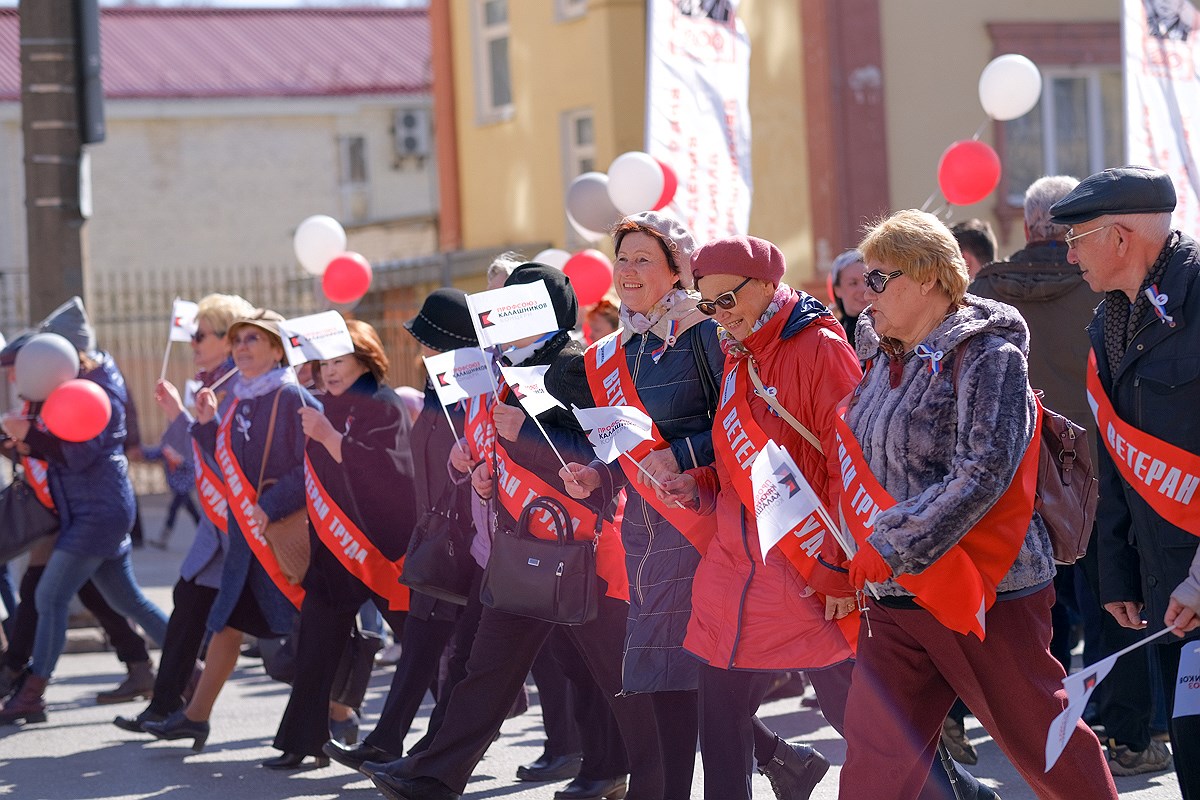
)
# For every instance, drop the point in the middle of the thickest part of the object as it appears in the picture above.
(676, 305)
(1123, 319)
(247, 388)
(735, 349)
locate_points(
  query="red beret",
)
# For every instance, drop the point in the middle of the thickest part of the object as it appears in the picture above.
(747, 256)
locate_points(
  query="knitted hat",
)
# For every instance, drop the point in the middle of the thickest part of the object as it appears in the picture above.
(562, 294)
(747, 256)
(677, 238)
(444, 321)
(70, 321)
(1122, 190)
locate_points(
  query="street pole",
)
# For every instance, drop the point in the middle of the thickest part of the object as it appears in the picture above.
(50, 125)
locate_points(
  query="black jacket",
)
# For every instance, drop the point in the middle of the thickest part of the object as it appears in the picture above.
(1155, 388)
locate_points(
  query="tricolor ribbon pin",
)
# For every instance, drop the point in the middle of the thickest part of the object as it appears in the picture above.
(1159, 301)
(934, 357)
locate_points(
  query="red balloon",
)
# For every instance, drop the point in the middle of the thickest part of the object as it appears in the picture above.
(77, 410)
(968, 172)
(591, 275)
(347, 278)
(670, 184)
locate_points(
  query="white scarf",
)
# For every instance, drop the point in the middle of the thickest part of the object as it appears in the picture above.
(248, 388)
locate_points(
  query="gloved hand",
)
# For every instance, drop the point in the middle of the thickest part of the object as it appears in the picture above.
(868, 566)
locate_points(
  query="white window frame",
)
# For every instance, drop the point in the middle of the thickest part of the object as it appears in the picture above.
(569, 10)
(573, 154)
(356, 194)
(483, 35)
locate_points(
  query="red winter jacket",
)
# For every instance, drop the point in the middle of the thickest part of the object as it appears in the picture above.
(747, 615)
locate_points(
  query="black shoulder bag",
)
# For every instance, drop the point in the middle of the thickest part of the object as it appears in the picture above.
(439, 562)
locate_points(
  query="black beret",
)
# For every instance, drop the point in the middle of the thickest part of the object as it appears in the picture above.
(1121, 190)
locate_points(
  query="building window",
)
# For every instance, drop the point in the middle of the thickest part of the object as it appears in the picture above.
(1077, 128)
(353, 177)
(567, 10)
(494, 87)
(579, 156)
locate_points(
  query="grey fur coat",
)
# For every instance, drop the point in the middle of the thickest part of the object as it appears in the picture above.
(947, 455)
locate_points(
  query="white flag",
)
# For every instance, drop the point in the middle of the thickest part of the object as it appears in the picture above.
(317, 337)
(183, 320)
(1187, 681)
(510, 313)
(613, 430)
(785, 503)
(459, 374)
(529, 386)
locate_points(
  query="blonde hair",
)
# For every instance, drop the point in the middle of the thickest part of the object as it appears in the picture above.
(220, 310)
(922, 247)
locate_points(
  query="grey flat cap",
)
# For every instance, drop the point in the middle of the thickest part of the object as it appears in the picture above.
(1121, 190)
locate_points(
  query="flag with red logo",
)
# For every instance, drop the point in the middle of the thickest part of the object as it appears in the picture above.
(316, 337)
(785, 504)
(510, 313)
(183, 320)
(459, 374)
(614, 430)
(528, 384)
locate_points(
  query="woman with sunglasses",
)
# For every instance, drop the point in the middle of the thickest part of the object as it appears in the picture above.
(941, 437)
(200, 572)
(263, 484)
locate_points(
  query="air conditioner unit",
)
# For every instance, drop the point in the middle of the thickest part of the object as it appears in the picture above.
(412, 133)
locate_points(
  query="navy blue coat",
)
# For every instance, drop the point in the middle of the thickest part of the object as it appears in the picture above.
(285, 464)
(89, 481)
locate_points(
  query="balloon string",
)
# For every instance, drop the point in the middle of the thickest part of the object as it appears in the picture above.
(980, 129)
(930, 199)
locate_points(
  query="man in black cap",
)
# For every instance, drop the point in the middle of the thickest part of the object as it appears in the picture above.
(1144, 387)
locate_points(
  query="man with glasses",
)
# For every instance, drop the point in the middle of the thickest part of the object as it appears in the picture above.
(1144, 387)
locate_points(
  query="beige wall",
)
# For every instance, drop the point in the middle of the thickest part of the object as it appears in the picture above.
(933, 54)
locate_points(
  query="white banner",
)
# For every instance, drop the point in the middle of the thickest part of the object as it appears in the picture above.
(529, 386)
(183, 320)
(613, 430)
(459, 374)
(1187, 686)
(697, 111)
(784, 502)
(1162, 98)
(316, 337)
(510, 313)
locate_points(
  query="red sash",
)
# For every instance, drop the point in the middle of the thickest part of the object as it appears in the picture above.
(353, 549)
(959, 587)
(737, 439)
(1164, 475)
(38, 480)
(609, 378)
(243, 496)
(478, 428)
(211, 491)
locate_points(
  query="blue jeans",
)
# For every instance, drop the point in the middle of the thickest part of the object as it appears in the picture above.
(65, 573)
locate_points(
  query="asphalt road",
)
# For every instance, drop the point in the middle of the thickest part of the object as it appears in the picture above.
(79, 755)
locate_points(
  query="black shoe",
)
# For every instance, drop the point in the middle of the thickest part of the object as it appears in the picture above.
(794, 770)
(354, 757)
(177, 726)
(551, 768)
(413, 788)
(134, 724)
(589, 789)
(397, 768)
(295, 761)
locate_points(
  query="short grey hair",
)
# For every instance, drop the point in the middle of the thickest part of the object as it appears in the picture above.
(1151, 227)
(1041, 194)
(503, 265)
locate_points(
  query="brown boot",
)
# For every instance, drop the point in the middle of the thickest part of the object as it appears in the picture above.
(138, 683)
(27, 704)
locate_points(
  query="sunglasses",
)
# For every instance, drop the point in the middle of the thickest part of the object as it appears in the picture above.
(877, 280)
(200, 336)
(1071, 238)
(725, 300)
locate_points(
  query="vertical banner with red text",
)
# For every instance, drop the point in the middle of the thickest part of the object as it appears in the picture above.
(697, 111)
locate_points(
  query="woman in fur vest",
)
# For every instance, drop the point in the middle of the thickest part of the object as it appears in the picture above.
(936, 447)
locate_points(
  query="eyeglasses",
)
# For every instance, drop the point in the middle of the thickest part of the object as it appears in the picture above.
(725, 300)
(247, 339)
(1073, 237)
(877, 280)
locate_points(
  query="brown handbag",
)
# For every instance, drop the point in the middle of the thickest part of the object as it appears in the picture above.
(287, 537)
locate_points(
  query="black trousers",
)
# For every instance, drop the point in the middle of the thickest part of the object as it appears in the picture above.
(504, 649)
(181, 645)
(1185, 731)
(325, 627)
(556, 696)
(581, 700)
(676, 716)
(130, 647)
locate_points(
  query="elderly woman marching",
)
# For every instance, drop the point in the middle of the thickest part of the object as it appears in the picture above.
(200, 573)
(938, 436)
(259, 445)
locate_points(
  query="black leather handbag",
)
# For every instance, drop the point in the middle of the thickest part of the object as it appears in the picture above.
(439, 562)
(547, 579)
(23, 519)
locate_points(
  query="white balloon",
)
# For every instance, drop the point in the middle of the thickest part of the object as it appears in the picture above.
(635, 182)
(552, 257)
(317, 240)
(589, 207)
(44, 363)
(1009, 87)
